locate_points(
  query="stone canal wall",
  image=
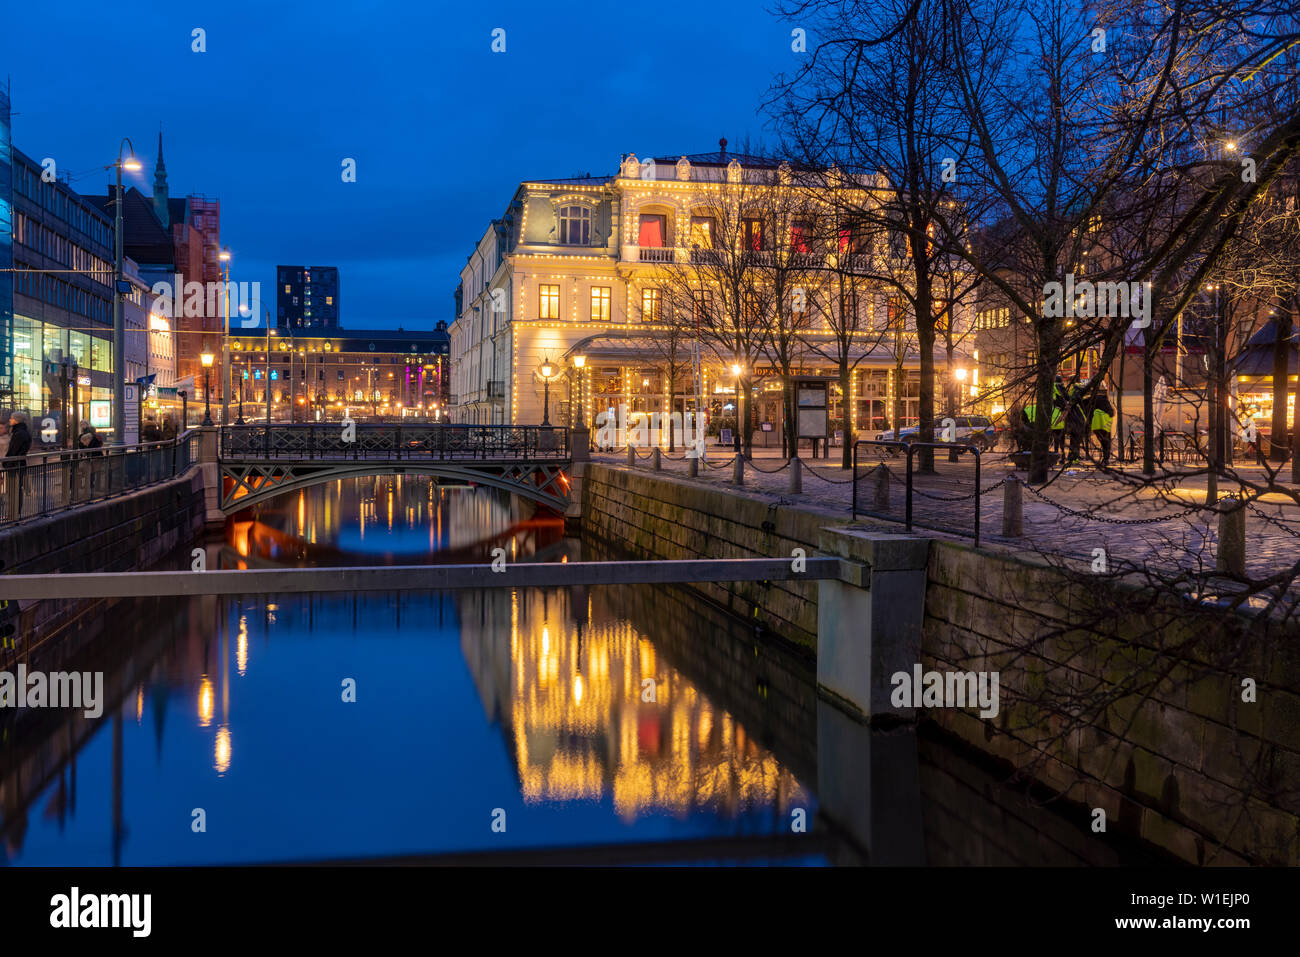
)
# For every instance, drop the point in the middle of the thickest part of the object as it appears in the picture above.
(1114, 700)
(653, 516)
(125, 533)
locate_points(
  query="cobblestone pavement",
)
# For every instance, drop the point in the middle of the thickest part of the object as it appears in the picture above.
(1152, 524)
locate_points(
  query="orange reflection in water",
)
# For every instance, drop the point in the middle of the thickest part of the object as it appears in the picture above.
(600, 713)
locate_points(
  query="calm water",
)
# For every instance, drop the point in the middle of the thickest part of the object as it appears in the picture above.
(502, 721)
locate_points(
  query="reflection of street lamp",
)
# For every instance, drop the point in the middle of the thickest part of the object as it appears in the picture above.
(736, 370)
(206, 358)
(547, 370)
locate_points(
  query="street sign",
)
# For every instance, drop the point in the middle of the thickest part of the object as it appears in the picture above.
(131, 408)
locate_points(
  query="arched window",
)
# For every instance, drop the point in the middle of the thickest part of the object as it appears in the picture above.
(575, 225)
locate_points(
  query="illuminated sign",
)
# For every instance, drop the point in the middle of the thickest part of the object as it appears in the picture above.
(100, 415)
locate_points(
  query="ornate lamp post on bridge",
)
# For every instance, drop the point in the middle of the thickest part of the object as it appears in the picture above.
(207, 358)
(547, 370)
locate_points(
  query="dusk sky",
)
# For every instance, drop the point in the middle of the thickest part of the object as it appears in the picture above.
(442, 129)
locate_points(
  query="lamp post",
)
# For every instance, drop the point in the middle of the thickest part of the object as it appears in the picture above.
(224, 256)
(119, 327)
(547, 370)
(736, 370)
(267, 374)
(206, 358)
(580, 363)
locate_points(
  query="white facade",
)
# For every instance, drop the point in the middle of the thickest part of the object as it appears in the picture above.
(569, 270)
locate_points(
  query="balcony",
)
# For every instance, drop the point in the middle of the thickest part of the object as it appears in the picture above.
(496, 389)
(633, 253)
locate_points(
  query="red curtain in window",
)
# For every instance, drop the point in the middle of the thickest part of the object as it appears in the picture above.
(846, 236)
(799, 238)
(652, 231)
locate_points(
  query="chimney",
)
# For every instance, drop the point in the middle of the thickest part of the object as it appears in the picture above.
(722, 146)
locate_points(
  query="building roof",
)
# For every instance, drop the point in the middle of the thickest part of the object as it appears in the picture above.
(1256, 357)
(143, 235)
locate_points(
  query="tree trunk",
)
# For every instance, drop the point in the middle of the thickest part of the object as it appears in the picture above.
(925, 344)
(846, 459)
(1277, 444)
(1119, 402)
(742, 420)
(1148, 411)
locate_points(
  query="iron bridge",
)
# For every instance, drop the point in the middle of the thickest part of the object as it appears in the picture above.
(259, 462)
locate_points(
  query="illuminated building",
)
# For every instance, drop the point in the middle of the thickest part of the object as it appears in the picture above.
(581, 267)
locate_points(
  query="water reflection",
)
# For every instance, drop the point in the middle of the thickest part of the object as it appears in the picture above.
(593, 712)
(406, 519)
(549, 705)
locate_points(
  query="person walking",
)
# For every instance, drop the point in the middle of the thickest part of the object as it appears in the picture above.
(151, 432)
(169, 428)
(15, 463)
(4, 450)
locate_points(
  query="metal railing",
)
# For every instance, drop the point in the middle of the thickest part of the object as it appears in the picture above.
(332, 441)
(909, 448)
(47, 482)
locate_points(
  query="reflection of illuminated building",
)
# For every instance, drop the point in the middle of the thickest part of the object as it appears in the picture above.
(396, 518)
(591, 711)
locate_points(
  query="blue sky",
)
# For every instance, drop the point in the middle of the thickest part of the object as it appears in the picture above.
(442, 129)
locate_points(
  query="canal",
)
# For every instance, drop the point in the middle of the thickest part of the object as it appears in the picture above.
(602, 725)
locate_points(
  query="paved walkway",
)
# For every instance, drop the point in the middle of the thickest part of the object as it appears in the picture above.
(1154, 523)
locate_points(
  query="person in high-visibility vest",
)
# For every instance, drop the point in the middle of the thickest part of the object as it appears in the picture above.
(1103, 416)
(1058, 415)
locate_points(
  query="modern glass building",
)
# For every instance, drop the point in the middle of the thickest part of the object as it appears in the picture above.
(56, 303)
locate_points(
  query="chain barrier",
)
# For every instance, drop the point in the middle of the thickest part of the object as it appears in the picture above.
(959, 498)
(830, 481)
(1109, 521)
(750, 464)
(1271, 520)
(721, 465)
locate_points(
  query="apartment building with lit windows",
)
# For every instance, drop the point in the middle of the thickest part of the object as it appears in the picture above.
(306, 297)
(587, 269)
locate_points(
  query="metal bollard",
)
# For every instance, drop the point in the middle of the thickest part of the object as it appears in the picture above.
(882, 487)
(656, 462)
(739, 477)
(1231, 554)
(631, 457)
(1013, 508)
(796, 476)
(693, 466)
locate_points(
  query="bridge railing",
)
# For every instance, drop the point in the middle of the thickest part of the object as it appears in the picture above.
(46, 482)
(331, 441)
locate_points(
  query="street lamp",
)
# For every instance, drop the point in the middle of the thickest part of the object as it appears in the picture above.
(224, 256)
(206, 358)
(547, 370)
(736, 370)
(580, 363)
(119, 327)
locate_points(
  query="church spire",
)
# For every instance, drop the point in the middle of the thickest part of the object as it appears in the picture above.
(160, 204)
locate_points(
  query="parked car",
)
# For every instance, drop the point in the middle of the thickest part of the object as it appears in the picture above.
(976, 430)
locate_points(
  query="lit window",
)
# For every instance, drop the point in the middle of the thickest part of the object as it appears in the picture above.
(600, 297)
(651, 305)
(548, 301)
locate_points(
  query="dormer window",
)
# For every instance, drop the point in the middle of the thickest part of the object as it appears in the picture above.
(575, 226)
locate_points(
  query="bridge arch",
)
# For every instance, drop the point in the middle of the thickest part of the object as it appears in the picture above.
(246, 484)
